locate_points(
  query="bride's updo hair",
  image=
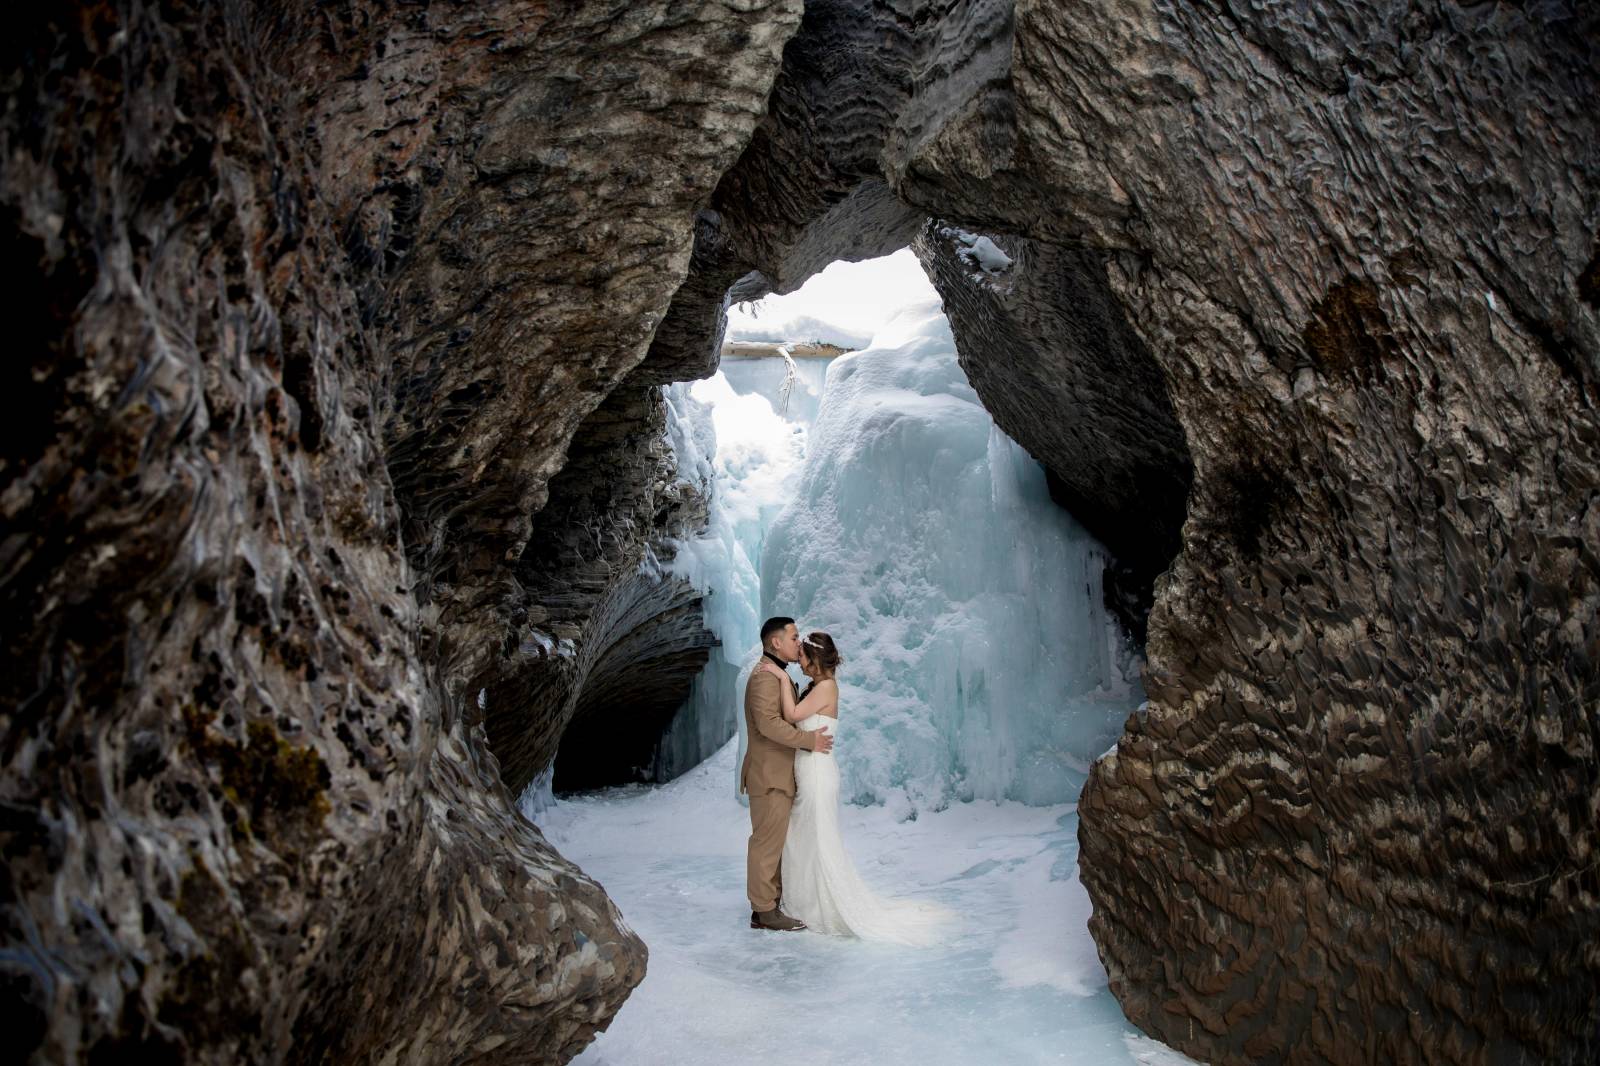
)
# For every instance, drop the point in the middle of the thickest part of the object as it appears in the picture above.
(820, 649)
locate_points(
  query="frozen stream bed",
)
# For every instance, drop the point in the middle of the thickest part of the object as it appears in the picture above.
(1019, 981)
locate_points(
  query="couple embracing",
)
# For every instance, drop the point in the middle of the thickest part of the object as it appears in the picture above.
(796, 856)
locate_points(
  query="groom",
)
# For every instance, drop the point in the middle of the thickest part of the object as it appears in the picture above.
(768, 775)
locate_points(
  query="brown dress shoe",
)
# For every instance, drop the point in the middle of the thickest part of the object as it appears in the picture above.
(775, 920)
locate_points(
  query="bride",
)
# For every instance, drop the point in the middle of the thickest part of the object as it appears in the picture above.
(820, 883)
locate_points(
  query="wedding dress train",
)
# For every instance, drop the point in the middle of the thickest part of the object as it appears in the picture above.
(820, 883)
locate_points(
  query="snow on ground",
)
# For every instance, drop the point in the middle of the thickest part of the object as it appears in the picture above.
(1019, 981)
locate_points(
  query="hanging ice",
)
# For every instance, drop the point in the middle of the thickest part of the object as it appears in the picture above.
(980, 660)
(764, 378)
(728, 437)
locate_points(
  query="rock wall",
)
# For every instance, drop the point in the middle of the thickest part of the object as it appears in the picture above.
(808, 189)
(1359, 822)
(312, 300)
(1356, 243)
(318, 301)
(1046, 344)
(607, 646)
(518, 255)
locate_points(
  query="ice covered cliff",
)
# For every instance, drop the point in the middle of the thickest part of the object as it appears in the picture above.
(980, 658)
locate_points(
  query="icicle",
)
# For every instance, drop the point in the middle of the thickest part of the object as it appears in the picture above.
(539, 797)
(788, 380)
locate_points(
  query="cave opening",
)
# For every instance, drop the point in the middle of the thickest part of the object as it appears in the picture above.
(738, 437)
(871, 494)
(855, 481)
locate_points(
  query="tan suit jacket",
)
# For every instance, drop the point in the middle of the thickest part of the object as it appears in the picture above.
(769, 761)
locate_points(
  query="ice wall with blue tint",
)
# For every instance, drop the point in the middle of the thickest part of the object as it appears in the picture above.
(730, 439)
(980, 659)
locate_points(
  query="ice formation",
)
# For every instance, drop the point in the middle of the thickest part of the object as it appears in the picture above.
(884, 506)
(980, 659)
(729, 438)
(766, 378)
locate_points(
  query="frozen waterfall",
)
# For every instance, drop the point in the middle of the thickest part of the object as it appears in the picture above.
(880, 503)
(980, 659)
(730, 439)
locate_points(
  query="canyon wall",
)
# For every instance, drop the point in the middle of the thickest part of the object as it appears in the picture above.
(1048, 347)
(332, 481)
(1360, 819)
(1315, 286)
(312, 301)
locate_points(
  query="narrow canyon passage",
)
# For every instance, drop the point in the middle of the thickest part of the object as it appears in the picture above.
(870, 495)
(361, 460)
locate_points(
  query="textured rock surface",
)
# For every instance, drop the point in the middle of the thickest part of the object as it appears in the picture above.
(865, 89)
(520, 258)
(316, 301)
(609, 645)
(809, 189)
(312, 299)
(1359, 822)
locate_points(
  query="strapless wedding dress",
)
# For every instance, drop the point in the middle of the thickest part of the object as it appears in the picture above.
(820, 883)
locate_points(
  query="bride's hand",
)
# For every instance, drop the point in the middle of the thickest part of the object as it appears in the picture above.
(772, 669)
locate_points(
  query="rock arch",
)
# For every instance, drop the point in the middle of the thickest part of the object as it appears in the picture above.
(352, 280)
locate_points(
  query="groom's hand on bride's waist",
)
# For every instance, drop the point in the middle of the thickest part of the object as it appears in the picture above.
(824, 742)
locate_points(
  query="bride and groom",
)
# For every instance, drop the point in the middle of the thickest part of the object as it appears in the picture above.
(795, 853)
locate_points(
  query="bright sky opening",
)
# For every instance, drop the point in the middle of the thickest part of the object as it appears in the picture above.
(846, 303)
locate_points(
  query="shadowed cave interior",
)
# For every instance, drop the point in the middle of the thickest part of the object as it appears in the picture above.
(623, 727)
(341, 491)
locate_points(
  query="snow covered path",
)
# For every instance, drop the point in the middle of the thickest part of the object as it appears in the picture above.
(1018, 983)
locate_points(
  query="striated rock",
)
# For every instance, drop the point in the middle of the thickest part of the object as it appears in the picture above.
(312, 300)
(605, 646)
(808, 190)
(863, 93)
(1046, 345)
(341, 324)
(1360, 818)
(519, 259)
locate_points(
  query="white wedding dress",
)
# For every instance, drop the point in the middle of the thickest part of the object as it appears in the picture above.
(820, 883)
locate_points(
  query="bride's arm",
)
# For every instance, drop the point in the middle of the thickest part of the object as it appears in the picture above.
(793, 711)
(786, 701)
(761, 703)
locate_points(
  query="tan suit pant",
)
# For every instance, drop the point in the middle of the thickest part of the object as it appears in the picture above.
(769, 825)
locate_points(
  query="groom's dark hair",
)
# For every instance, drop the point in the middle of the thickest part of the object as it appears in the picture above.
(773, 625)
